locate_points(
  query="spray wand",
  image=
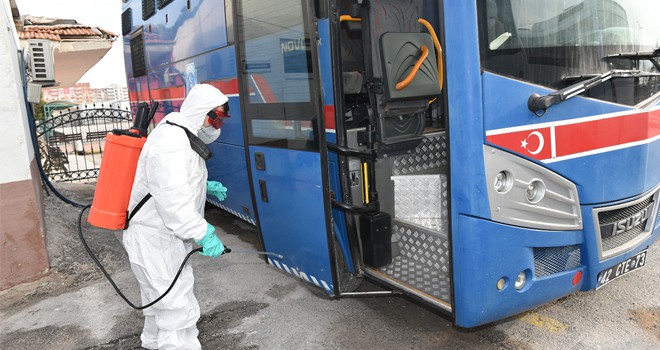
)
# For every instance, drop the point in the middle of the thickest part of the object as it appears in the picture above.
(227, 250)
(176, 277)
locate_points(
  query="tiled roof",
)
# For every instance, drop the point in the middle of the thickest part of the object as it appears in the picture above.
(63, 31)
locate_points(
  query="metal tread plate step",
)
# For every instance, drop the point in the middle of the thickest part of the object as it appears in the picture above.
(423, 260)
(419, 276)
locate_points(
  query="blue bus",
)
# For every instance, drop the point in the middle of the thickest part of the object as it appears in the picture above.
(482, 157)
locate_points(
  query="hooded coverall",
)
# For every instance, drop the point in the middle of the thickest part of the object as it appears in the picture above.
(159, 235)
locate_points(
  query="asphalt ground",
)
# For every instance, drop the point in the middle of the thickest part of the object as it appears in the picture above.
(247, 304)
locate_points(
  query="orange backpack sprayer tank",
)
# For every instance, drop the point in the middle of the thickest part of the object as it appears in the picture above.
(118, 166)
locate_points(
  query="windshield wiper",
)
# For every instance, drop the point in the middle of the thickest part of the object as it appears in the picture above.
(641, 55)
(538, 104)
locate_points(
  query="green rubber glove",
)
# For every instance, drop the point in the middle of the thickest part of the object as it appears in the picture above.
(211, 243)
(216, 188)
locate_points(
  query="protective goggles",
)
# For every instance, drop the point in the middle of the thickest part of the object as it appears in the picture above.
(216, 116)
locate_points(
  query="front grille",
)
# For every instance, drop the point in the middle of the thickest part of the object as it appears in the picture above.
(610, 243)
(613, 216)
(622, 227)
(551, 260)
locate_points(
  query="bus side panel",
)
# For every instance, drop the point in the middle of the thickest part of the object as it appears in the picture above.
(131, 83)
(478, 266)
(228, 166)
(128, 64)
(176, 33)
(502, 113)
(466, 132)
(136, 22)
(170, 83)
(161, 93)
(584, 131)
(466, 128)
(138, 89)
(198, 45)
(292, 183)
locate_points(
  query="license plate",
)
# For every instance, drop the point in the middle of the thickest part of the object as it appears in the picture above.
(622, 268)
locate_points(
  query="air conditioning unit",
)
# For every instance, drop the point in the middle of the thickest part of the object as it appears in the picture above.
(41, 61)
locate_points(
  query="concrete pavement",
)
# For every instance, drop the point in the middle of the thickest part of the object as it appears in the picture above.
(247, 304)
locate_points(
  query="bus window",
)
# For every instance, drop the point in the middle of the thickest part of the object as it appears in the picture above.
(321, 7)
(229, 19)
(556, 43)
(277, 72)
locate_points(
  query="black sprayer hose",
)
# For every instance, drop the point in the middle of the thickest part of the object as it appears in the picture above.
(91, 254)
(35, 144)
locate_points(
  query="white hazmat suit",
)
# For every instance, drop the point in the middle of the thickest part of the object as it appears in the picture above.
(159, 235)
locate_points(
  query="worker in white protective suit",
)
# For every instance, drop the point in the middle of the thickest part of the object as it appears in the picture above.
(161, 232)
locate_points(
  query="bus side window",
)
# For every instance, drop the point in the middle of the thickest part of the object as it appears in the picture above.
(321, 8)
(277, 70)
(229, 20)
(495, 26)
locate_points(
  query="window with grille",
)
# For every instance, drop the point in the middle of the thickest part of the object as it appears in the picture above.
(126, 21)
(148, 8)
(163, 3)
(138, 60)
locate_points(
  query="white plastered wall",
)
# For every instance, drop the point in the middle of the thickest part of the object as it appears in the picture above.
(16, 152)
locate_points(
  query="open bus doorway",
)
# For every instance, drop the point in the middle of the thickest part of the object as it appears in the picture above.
(406, 130)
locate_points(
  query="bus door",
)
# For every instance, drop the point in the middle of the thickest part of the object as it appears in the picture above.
(278, 73)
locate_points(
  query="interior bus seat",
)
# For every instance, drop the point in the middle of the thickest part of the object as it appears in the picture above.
(396, 39)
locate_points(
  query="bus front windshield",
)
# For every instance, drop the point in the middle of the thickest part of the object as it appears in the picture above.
(557, 43)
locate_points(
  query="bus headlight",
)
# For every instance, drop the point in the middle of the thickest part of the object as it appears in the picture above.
(526, 194)
(535, 191)
(521, 280)
(503, 182)
(501, 283)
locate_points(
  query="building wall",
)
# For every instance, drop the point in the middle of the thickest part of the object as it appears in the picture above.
(23, 255)
(83, 93)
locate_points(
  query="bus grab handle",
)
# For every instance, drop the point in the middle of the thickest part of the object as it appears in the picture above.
(405, 82)
(438, 49)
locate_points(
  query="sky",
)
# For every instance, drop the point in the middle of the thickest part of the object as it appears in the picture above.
(96, 13)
